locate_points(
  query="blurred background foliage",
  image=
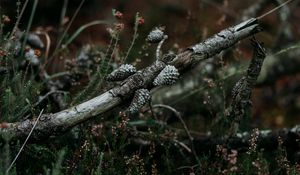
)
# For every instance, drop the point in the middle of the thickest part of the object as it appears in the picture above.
(275, 101)
(186, 22)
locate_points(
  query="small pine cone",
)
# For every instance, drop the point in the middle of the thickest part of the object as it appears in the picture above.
(167, 76)
(121, 73)
(155, 36)
(141, 97)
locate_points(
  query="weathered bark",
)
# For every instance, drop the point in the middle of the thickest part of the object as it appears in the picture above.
(53, 124)
(215, 44)
(242, 90)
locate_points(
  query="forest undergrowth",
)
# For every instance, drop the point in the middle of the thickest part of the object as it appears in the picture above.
(195, 118)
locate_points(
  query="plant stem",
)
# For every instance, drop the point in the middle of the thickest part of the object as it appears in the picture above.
(29, 24)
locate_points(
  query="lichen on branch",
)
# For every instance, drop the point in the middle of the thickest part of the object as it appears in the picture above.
(59, 122)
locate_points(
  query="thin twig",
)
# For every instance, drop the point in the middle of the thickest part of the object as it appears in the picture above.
(158, 49)
(18, 20)
(177, 114)
(48, 44)
(183, 145)
(187, 167)
(22, 147)
(47, 95)
(274, 9)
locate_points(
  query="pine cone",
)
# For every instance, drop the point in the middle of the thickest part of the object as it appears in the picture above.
(167, 76)
(155, 36)
(141, 97)
(121, 73)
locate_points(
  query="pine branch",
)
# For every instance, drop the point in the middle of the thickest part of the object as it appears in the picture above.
(55, 124)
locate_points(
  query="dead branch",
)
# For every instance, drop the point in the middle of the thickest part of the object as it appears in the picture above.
(267, 140)
(54, 124)
(242, 91)
(205, 142)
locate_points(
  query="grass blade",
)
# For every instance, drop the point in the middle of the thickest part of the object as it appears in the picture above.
(83, 27)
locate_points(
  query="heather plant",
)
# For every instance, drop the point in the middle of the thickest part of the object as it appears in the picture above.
(101, 110)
